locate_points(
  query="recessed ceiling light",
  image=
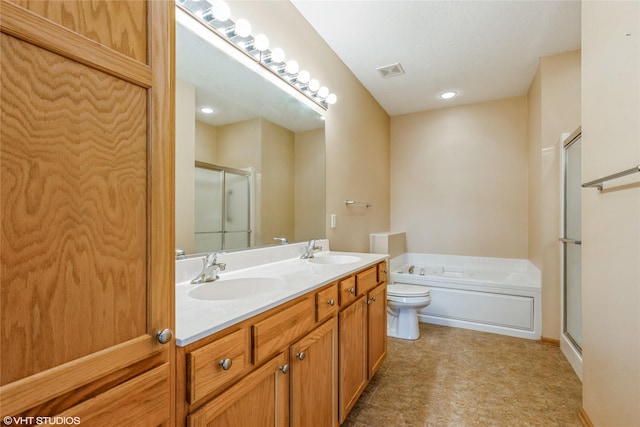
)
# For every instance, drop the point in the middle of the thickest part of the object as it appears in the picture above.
(207, 110)
(448, 94)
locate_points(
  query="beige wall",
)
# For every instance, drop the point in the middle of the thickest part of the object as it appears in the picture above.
(185, 97)
(310, 160)
(206, 142)
(278, 164)
(356, 131)
(459, 179)
(611, 219)
(554, 109)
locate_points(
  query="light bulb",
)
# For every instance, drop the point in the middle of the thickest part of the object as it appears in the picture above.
(243, 28)
(220, 10)
(207, 110)
(277, 55)
(304, 77)
(292, 67)
(332, 98)
(314, 85)
(261, 42)
(323, 92)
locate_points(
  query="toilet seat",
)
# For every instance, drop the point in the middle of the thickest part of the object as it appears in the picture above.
(401, 290)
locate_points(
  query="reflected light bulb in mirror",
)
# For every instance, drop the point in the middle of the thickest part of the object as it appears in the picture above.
(261, 42)
(243, 28)
(304, 77)
(220, 10)
(277, 55)
(323, 92)
(292, 67)
(332, 98)
(314, 85)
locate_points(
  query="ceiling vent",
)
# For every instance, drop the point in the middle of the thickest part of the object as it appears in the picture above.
(391, 70)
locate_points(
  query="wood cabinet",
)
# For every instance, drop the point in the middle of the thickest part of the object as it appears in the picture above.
(314, 375)
(325, 346)
(87, 210)
(353, 355)
(363, 334)
(260, 399)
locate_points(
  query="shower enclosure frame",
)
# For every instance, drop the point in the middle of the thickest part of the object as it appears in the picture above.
(223, 231)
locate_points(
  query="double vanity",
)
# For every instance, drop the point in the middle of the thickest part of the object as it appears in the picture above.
(277, 337)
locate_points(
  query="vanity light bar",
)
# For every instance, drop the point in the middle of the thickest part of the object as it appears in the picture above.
(215, 15)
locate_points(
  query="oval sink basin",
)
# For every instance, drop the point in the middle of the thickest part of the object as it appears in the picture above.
(334, 259)
(232, 289)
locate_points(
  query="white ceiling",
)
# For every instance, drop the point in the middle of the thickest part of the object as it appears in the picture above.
(485, 50)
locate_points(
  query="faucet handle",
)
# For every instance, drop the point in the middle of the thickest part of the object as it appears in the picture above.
(282, 240)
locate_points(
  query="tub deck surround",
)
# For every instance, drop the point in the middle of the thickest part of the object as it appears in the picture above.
(196, 318)
(498, 295)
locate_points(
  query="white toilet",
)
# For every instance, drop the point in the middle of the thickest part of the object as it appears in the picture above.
(403, 303)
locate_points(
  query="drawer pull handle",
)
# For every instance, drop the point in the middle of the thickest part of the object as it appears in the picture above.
(300, 355)
(373, 299)
(284, 368)
(331, 302)
(225, 364)
(352, 291)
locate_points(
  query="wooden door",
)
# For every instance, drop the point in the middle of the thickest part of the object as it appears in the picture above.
(86, 208)
(377, 328)
(314, 371)
(258, 400)
(352, 376)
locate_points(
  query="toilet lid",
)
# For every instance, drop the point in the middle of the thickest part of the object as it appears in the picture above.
(400, 290)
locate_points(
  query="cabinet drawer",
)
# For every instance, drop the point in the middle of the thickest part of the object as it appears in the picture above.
(327, 302)
(276, 332)
(382, 272)
(347, 289)
(366, 280)
(205, 370)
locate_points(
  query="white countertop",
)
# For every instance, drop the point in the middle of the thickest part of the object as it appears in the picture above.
(196, 318)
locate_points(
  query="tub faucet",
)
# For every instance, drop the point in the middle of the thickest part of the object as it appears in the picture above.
(210, 269)
(309, 250)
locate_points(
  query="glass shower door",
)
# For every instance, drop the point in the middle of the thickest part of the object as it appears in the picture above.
(572, 240)
(222, 208)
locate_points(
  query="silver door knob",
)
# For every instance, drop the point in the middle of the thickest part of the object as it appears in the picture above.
(352, 290)
(164, 336)
(225, 363)
(284, 369)
(331, 302)
(373, 299)
(300, 355)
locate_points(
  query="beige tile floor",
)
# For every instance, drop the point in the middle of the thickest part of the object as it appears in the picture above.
(456, 377)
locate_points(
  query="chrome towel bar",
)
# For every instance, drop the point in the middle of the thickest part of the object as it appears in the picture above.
(598, 183)
(353, 202)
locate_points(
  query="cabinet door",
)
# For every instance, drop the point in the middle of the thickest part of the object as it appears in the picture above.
(86, 185)
(258, 400)
(313, 386)
(377, 327)
(353, 355)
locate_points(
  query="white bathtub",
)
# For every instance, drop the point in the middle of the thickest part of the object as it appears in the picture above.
(498, 295)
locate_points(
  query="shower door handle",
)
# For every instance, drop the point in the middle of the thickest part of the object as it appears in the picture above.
(575, 242)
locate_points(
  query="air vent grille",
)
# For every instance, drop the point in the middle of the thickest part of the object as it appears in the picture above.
(391, 70)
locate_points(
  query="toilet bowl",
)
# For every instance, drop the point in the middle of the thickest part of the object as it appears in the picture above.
(403, 303)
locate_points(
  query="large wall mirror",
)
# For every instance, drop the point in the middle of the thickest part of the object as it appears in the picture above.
(252, 170)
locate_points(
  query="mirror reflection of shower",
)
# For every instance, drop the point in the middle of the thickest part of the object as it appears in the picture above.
(223, 208)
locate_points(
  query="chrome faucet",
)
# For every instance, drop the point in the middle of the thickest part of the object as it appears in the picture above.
(310, 249)
(282, 240)
(210, 269)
